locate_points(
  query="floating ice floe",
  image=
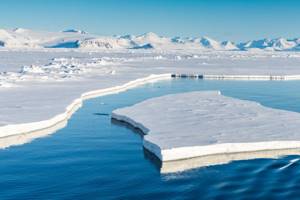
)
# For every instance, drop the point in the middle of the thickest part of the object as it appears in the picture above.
(199, 124)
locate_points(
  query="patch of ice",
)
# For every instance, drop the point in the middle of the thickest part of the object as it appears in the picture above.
(196, 124)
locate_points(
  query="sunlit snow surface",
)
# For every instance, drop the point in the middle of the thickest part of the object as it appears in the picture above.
(43, 73)
(187, 125)
(78, 39)
(37, 84)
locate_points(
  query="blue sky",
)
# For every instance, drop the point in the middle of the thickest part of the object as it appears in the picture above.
(221, 19)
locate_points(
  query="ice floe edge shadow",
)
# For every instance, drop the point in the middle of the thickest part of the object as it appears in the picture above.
(189, 157)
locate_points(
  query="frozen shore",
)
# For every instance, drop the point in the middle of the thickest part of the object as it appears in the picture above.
(195, 124)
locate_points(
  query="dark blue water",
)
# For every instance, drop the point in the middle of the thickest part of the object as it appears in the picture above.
(93, 158)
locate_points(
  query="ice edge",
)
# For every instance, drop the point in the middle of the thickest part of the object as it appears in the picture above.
(188, 152)
(32, 127)
(238, 77)
(27, 128)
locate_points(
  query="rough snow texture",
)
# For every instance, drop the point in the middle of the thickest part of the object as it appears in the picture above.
(72, 38)
(59, 69)
(187, 125)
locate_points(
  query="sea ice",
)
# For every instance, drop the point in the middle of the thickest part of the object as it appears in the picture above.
(188, 125)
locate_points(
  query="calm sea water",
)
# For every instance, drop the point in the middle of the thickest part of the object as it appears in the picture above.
(93, 158)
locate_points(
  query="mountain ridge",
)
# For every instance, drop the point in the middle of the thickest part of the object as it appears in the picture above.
(73, 38)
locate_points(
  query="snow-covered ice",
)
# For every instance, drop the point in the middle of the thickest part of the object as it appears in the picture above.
(48, 115)
(42, 73)
(50, 80)
(187, 125)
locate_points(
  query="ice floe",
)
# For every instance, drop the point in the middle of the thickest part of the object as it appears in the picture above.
(195, 124)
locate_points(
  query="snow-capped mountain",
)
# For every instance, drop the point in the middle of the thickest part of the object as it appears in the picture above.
(207, 42)
(283, 44)
(106, 43)
(228, 45)
(278, 44)
(72, 38)
(24, 38)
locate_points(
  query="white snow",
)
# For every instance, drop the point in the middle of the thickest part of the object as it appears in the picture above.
(59, 69)
(39, 83)
(33, 127)
(188, 125)
(24, 38)
(106, 43)
(72, 38)
(36, 85)
(278, 44)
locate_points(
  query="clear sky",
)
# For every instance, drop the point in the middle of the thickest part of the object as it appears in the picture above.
(220, 19)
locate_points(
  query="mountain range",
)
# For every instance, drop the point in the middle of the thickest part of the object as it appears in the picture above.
(72, 38)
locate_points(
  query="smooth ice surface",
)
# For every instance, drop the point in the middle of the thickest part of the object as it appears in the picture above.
(186, 125)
